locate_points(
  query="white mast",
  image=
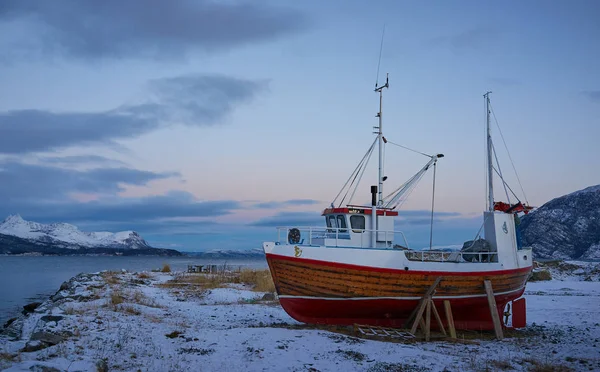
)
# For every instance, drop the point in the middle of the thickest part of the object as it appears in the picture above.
(489, 155)
(380, 136)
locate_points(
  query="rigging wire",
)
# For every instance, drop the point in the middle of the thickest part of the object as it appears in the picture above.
(510, 157)
(360, 178)
(515, 195)
(406, 188)
(356, 170)
(500, 172)
(408, 148)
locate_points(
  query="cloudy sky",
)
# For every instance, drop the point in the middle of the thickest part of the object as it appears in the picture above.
(203, 124)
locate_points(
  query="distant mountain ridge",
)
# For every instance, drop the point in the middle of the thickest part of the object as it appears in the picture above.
(256, 253)
(18, 236)
(567, 227)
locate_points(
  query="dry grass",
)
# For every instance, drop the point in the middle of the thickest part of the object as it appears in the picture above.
(166, 268)
(130, 310)
(195, 284)
(144, 275)
(116, 297)
(546, 366)
(139, 298)
(261, 280)
(110, 278)
(9, 357)
(501, 364)
(154, 318)
(199, 281)
(540, 275)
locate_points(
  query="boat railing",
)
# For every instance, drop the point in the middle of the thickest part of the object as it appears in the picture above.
(343, 236)
(451, 256)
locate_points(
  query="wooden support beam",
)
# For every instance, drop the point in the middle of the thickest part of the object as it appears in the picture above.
(419, 318)
(493, 309)
(437, 318)
(419, 309)
(428, 319)
(450, 319)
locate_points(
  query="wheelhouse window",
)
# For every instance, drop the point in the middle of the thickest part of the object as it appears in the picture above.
(357, 222)
(331, 222)
(341, 219)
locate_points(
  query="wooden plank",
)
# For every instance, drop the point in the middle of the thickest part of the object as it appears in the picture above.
(419, 317)
(428, 319)
(493, 309)
(437, 318)
(450, 319)
(345, 282)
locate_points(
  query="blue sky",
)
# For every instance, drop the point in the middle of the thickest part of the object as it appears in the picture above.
(203, 125)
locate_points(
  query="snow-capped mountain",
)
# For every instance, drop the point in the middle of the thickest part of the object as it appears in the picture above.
(68, 236)
(567, 227)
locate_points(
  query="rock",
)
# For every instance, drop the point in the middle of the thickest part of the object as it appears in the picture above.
(64, 286)
(41, 368)
(30, 308)
(268, 297)
(47, 337)
(9, 322)
(102, 366)
(52, 318)
(32, 346)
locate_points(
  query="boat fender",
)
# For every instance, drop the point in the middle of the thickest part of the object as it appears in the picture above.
(294, 236)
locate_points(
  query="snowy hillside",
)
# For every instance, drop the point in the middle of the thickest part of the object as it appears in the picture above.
(567, 227)
(60, 233)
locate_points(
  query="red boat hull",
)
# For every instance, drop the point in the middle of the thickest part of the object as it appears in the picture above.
(319, 292)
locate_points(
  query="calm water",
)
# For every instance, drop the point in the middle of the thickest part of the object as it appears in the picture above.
(27, 279)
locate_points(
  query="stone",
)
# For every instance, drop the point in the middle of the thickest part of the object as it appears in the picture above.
(52, 318)
(32, 346)
(102, 366)
(268, 297)
(30, 308)
(46, 337)
(9, 322)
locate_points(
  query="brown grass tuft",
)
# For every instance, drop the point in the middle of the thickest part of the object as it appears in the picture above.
(501, 364)
(166, 268)
(139, 298)
(546, 366)
(261, 280)
(541, 275)
(116, 298)
(144, 275)
(9, 357)
(130, 310)
(110, 277)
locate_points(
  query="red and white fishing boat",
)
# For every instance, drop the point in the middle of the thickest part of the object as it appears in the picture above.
(358, 270)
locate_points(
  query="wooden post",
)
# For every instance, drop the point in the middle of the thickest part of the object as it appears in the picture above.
(450, 319)
(493, 309)
(428, 319)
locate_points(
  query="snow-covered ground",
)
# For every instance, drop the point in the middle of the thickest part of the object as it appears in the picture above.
(129, 322)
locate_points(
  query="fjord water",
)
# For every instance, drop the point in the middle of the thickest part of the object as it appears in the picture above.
(26, 279)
